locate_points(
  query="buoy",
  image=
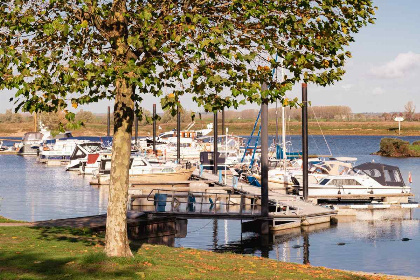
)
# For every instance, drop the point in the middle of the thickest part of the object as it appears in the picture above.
(410, 179)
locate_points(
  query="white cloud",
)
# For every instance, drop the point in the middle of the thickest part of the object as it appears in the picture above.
(378, 91)
(401, 66)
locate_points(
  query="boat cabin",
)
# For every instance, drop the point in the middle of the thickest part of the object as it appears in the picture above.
(386, 175)
(82, 150)
(30, 137)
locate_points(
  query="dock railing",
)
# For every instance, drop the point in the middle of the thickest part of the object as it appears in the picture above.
(208, 203)
(173, 201)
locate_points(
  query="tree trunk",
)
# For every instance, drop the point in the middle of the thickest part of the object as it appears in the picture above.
(116, 239)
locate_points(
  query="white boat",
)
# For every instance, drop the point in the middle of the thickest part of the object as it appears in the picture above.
(86, 152)
(141, 171)
(365, 179)
(32, 141)
(58, 149)
(165, 137)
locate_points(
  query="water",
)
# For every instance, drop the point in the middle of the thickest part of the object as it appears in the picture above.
(32, 192)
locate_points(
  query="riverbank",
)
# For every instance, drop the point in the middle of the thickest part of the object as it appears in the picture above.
(244, 127)
(62, 253)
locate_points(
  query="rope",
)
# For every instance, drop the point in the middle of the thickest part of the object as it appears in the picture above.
(200, 228)
(316, 118)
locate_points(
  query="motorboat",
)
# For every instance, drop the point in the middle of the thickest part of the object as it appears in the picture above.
(141, 171)
(167, 137)
(32, 141)
(365, 179)
(87, 152)
(284, 179)
(58, 149)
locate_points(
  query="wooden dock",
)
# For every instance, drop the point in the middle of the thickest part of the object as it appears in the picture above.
(207, 199)
(294, 202)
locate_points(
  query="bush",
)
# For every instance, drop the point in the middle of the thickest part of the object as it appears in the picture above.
(416, 143)
(394, 147)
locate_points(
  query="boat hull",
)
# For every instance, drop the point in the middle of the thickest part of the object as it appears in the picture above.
(354, 190)
(28, 150)
(151, 178)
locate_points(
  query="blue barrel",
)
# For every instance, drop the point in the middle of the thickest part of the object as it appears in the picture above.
(160, 202)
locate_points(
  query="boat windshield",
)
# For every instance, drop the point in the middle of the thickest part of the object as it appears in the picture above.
(324, 181)
(92, 147)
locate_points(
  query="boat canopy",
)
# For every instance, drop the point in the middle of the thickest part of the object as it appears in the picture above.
(32, 136)
(386, 175)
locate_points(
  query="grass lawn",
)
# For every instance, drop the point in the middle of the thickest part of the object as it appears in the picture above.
(59, 253)
(6, 220)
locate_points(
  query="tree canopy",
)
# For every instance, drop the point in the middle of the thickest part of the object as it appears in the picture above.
(61, 52)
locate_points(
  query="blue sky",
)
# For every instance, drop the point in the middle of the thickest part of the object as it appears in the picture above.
(382, 76)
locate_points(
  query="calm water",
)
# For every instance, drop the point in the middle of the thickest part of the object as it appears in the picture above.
(31, 191)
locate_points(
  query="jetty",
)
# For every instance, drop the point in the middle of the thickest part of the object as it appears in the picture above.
(207, 198)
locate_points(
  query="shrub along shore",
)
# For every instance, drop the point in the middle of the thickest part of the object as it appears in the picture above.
(394, 147)
(64, 253)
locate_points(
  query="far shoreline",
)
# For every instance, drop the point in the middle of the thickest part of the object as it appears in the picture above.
(244, 128)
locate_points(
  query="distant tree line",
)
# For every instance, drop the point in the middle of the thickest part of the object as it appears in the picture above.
(321, 113)
(10, 117)
(314, 112)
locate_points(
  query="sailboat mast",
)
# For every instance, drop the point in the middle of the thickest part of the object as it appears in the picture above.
(283, 127)
(277, 127)
(283, 136)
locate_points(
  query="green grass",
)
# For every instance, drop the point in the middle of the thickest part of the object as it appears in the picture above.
(6, 220)
(415, 148)
(58, 253)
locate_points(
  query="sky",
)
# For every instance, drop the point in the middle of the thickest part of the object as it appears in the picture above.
(380, 77)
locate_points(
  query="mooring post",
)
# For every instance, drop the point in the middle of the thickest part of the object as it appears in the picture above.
(215, 143)
(223, 121)
(305, 140)
(136, 128)
(264, 163)
(178, 135)
(108, 122)
(154, 129)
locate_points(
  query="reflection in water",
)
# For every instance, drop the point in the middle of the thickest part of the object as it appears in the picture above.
(306, 248)
(215, 232)
(32, 192)
(349, 244)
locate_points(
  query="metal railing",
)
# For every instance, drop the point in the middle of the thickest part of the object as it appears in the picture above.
(204, 202)
(172, 201)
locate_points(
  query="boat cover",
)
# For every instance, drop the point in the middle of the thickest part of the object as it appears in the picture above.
(386, 175)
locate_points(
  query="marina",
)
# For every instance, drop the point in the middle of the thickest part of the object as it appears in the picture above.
(82, 199)
(141, 139)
